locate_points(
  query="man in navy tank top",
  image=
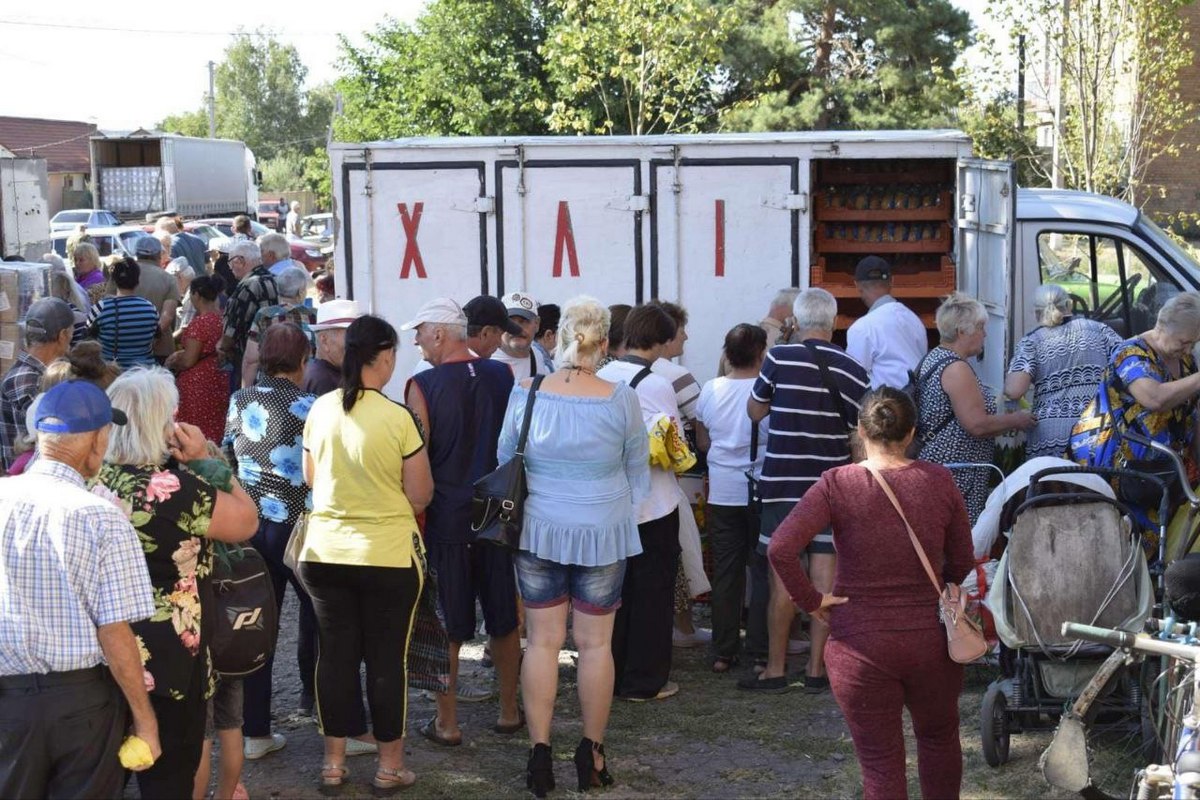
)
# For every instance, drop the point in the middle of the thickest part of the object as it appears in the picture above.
(460, 402)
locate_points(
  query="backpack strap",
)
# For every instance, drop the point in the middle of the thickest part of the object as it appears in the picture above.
(830, 385)
(641, 376)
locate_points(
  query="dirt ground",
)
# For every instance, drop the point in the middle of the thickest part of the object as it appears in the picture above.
(709, 741)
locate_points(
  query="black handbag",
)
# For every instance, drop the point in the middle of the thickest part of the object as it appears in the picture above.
(753, 489)
(499, 499)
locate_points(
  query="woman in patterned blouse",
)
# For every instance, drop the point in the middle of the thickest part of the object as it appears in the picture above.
(177, 514)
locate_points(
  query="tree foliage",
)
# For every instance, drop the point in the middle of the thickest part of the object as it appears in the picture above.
(463, 68)
(635, 66)
(843, 64)
(1112, 87)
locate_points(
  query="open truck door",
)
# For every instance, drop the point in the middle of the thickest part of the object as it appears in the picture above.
(987, 212)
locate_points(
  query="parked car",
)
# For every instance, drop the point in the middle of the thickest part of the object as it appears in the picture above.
(71, 219)
(317, 228)
(108, 240)
(312, 256)
(268, 214)
(224, 226)
(203, 230)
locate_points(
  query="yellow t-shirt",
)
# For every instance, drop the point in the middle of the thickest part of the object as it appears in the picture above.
(360, 514)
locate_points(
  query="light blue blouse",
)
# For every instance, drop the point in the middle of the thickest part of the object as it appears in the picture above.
(587, 465)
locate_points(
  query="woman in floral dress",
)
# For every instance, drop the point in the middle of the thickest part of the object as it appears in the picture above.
(176, 514)
(203, 387)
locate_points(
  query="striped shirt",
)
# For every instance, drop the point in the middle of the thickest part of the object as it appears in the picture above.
(806, 433)
(70, 562)
(687, 388)
(127, 325)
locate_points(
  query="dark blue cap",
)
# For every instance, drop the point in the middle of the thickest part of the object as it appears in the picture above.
(75, 407)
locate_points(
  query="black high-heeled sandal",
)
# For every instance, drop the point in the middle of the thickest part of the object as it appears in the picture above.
(585, 765)
(539, 772)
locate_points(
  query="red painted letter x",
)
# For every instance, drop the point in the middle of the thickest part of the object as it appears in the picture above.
(412, 253)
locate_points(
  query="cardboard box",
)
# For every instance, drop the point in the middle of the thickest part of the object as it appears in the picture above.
(20, 285)
(12, 343)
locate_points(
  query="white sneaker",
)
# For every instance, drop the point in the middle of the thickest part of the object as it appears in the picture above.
(258, 746)
(699, 638)
(357, 747)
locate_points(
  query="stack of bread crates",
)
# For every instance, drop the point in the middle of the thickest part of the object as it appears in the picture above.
(20, 285)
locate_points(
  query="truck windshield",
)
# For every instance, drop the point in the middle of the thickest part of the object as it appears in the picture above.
(1178, 254)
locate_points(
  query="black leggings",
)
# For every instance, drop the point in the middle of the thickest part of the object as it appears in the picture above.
(363, 614)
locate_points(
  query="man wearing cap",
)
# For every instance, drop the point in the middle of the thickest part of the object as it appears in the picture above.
(75, 578)
(324, 373)
(487, 322)
(256, 289)
(461, 402)
(159, 288)
(516, 349)
(49, 324)
(890, 339)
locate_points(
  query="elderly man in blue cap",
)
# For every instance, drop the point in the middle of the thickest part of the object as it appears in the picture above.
(75, 578)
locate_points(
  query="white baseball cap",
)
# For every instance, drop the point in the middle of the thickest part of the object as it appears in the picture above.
(336, 314)
(519, 304)
(441, 310)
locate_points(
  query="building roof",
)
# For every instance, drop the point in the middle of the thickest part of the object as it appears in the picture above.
(63, 143)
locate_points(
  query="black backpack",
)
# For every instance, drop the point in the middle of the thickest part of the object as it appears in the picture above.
(246, 619)
(916, 380)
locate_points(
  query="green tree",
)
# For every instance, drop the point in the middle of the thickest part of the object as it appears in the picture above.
(261, 100)
(843, 64)
(635, 66)
(463, 68)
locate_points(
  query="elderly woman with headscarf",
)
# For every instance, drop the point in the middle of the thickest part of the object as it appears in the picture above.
(1150, 388)
(1063, 360)
(958, 421)
(177, 515)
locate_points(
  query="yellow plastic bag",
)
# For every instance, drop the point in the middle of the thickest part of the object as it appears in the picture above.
(669, 450)
(135, 753)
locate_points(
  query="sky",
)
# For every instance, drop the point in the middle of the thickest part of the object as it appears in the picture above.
(115, 65)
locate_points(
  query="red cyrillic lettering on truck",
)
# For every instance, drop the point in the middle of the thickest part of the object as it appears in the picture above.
(720, 254)
(412, 253)
(565, 235)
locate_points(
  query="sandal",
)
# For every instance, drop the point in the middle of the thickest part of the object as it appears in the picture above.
(722, 664)
(513, 728)
(332, 784)
(389, 781)
(429, 731)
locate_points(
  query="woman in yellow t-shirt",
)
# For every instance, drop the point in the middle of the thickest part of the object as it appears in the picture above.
(366, 462)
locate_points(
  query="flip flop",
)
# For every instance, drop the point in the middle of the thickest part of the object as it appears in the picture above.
(511, 729)
(722, 664)
(430, 732)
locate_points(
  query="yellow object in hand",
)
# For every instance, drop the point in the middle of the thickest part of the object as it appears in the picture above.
(135, 753)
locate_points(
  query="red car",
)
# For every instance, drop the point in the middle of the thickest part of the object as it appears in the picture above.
(268, 214)
(303, 252)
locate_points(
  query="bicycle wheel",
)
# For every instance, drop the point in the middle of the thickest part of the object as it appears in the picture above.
(993, 726)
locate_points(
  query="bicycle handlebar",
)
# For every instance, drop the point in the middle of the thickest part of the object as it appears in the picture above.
(1131, 641)
(1176, 461)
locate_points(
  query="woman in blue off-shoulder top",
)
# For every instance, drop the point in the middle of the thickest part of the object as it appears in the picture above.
(587, 462)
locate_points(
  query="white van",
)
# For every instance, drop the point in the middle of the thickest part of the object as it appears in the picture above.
(719, 223)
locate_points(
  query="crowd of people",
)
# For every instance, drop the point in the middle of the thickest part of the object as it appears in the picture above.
(160, 408)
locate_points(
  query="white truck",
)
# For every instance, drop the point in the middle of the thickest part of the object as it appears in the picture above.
(719, 223)
(141, 174)
(24, 209)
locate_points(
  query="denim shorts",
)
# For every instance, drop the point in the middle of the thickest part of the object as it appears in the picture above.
(591, 590)
(224, 707)
(773, 515)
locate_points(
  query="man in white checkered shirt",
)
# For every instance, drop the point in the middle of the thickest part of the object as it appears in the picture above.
(72, 578)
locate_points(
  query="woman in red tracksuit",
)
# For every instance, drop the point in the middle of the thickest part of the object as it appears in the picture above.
(887, 647)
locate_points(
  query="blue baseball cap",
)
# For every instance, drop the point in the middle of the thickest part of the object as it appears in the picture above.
(75, 407)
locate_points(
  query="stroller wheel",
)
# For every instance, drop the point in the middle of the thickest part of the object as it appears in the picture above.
(993, 726)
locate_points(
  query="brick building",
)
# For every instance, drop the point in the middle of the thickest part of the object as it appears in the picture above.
(64, 145)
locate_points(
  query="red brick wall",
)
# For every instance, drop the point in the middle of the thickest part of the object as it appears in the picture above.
(1172, 183)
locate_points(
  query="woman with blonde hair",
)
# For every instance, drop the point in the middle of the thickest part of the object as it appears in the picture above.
(148, 472)
(958, 420)
(587, 462)
(1063, 359)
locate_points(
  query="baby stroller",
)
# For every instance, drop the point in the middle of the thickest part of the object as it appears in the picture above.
(1072, 555)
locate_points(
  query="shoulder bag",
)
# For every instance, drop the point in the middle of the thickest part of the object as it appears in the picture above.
(830, 386)
(499, 497)
(753, 490)
(246, 625)
(964, 638)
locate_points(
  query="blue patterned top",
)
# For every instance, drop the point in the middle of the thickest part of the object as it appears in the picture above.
(264, 434)
(588, 467)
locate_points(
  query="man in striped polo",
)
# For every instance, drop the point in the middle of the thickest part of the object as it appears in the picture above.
(812, 391)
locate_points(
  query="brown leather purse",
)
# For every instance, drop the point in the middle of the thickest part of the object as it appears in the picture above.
(964, 638)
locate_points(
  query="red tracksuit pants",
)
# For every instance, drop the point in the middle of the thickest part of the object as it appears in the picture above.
(874, 677)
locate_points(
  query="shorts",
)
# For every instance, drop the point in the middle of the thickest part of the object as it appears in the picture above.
(224, 707)
(591, 590)
(773, 515)
(466, 571)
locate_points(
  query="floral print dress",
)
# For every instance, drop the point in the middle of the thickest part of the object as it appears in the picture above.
(170, 507)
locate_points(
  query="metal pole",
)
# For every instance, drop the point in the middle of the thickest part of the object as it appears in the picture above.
(1021, 83)
(212, 103)
(1056, 176)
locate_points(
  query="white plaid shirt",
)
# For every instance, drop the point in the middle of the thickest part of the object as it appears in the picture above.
(70, 562)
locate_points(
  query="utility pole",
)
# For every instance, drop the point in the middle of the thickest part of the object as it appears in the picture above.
(212, 103)
(1021, 83)
(1060, 104)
